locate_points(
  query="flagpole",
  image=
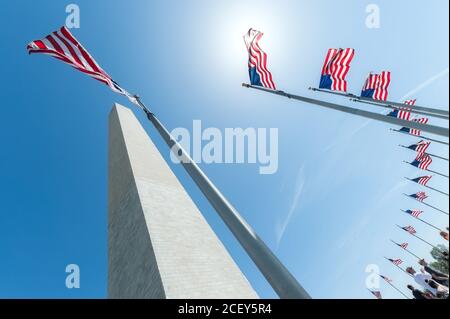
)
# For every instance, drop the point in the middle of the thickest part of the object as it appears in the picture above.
(374, 116)
(425, 222)
(418, 237)
(278, 276)
(422, 137)
(404, 108)
(392, 285)
(410, 252)
(428, 170)
(432, 188)
(398, 290)
(432, 155)
(438, 209)
(388, 103)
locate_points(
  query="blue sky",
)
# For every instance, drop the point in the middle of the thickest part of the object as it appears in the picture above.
(330, 209)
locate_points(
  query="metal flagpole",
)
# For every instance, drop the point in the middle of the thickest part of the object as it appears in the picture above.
(410, 252)
(425, 222)
(432, 188)
(438, 209)
(374, 116)
(278, 276)
(428, 170)
(397, 108)
(388, 103)
(422, 137)
(395, 287)
(418, 237)
(432, 155)
(398, 290)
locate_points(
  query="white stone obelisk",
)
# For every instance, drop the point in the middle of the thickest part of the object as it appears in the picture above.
(160, 246)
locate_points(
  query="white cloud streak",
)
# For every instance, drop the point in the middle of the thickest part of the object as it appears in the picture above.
(424, 84)
(282, 225)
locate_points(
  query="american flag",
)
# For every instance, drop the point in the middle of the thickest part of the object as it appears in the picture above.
(388, 280)
(396, 262)
(409, 229)
(414, 131)
(335, 69)
(376, 293)
(423, 162)
(414, 212)
(63, 46)
(420, 196)
(422, 180)
(403, 245)
(403, 113)
(257, 60)
(421, 146)
(376, 86)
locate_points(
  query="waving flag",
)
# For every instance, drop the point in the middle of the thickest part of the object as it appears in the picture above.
(423, 161)
(388, 280)
(335, 69)
(409, 229)
(396, 262)
(257, 60)
(403, 245)
(421, 146)
(403, 113)
(414, 212)
(376, 293)
(63, 46)
(420, 196)
(422, 180)
(410, 102)
(414, 131)
(376, 86)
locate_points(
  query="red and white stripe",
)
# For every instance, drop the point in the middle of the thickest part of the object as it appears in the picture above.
(424, 180)
(379, 83)
(416, 213)
(410, 102)
(421, 196)
(258, 58)
(387, 279)
(371, 82)
(337, 64)
(404, 113)
(381, 92)
(404, 245)
(410, 229)
(63, 46)
(397, 261)
(425, 161)
(422, 120)
(422, 147)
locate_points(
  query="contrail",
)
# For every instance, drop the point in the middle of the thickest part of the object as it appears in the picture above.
(425, 84)
(298, 190)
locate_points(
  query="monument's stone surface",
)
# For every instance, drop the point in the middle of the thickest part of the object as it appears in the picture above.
(160, 246)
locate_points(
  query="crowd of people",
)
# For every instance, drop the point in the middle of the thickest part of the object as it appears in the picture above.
(433, 283)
